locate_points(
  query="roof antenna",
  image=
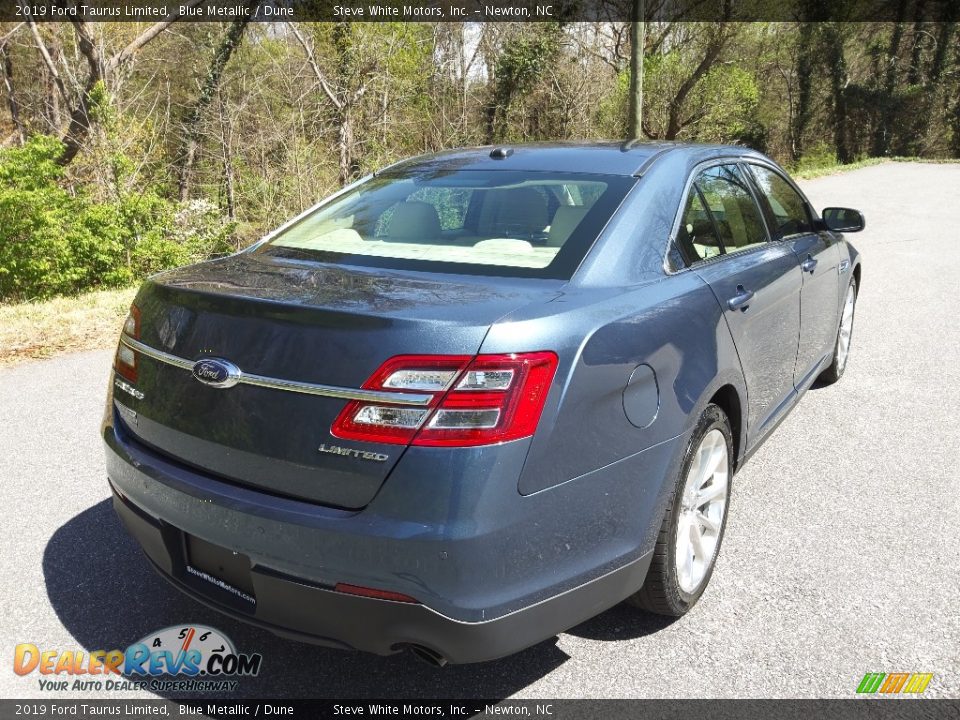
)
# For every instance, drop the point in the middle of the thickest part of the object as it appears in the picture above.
(501, 153)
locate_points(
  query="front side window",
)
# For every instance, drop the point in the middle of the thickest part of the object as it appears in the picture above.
(731, 205)
(790, 214)
(533, 224)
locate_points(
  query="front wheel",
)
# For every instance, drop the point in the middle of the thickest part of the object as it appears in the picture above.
(841, 350)
(693, 526)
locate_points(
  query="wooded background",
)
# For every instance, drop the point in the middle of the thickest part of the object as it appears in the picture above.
(132, 147)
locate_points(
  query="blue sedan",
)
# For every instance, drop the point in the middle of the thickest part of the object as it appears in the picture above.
(478, 397)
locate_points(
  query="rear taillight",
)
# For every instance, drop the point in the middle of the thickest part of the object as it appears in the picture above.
(125, 362)
(479, 401)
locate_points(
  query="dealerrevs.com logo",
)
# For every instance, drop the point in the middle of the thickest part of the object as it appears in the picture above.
(181, 658)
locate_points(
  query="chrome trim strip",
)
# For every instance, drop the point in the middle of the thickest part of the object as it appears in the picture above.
(335, 392)
(288, 385)
(156, 354)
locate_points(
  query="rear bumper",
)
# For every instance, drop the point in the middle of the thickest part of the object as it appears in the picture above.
(294, 608)
(493, 571)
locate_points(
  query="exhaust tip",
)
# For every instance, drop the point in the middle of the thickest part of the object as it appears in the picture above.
(430, 657)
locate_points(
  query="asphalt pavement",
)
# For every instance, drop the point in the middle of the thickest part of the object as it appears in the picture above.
(842, 552)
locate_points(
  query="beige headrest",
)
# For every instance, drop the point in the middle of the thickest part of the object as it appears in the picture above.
(414, 221)
(565, 221)
(512, 210)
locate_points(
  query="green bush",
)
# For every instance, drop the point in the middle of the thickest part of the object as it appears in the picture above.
(187, 233)
(60, 241)
(820, 156)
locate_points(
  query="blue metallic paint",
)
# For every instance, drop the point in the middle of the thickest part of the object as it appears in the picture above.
(473, 533)
(291, 320)
(767, 328)
(471, 550)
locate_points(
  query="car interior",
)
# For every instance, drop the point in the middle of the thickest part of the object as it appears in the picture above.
(525, 224)
(730, 211)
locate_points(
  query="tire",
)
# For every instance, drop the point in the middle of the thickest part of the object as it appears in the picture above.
(668, 588)
(841, 353)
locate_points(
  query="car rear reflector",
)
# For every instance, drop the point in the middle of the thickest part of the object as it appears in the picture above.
(374, 593)
(479, 401)
(125, 361)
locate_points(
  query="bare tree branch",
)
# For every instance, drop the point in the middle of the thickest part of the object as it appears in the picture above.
(80, 117)
(211, 87)
(3, 40)
(714, 47)
(89, 50)
(312, 60)
(101, 70)
(127, 54)
(48, 61)
(12, 101)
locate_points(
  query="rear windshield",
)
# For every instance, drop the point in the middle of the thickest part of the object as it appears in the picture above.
(531, 224)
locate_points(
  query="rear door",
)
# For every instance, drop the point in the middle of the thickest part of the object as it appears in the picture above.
(756, 282)
(791, 222)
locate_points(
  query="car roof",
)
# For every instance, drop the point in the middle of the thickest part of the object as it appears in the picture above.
(605, 158)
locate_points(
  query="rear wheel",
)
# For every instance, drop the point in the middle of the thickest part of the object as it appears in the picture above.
(692, 529)
(841, 350)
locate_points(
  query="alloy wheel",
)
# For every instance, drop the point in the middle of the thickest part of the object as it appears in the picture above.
(703, 504)
(846, 329)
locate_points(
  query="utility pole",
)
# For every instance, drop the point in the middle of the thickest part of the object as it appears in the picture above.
(638, 37)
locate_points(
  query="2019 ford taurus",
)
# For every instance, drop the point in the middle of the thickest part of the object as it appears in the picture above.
(477, 397)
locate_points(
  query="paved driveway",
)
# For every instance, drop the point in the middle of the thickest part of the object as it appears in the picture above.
(842, 553)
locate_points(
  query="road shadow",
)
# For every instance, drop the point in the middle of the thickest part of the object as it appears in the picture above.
(622, 622)
(107, 596)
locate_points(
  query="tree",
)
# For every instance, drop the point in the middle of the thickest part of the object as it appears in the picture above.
(353, 75)
(57, 89)
(101, 71)
(521, 63)
(881, 138)
(678, 75)
(8, 84)
(835, 54)
(638, 37)
(718, 37)
(211, 85)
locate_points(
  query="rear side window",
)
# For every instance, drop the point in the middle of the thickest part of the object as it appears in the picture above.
(531, 224)
(698, 236)
(731, 205)
(789, 211)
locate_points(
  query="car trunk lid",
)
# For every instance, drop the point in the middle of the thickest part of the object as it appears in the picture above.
(291, 321)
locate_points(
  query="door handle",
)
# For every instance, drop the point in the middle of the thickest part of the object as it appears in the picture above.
(741, 300)
(809, 264)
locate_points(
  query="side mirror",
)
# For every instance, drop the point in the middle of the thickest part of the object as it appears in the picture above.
(843, 219)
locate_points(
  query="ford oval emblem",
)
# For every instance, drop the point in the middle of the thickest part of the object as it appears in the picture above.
(216, 372)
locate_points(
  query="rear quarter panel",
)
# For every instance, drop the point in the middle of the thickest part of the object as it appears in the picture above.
(673, 325)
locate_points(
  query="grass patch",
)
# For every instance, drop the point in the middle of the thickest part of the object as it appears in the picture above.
(67, 324)
(809, 173)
